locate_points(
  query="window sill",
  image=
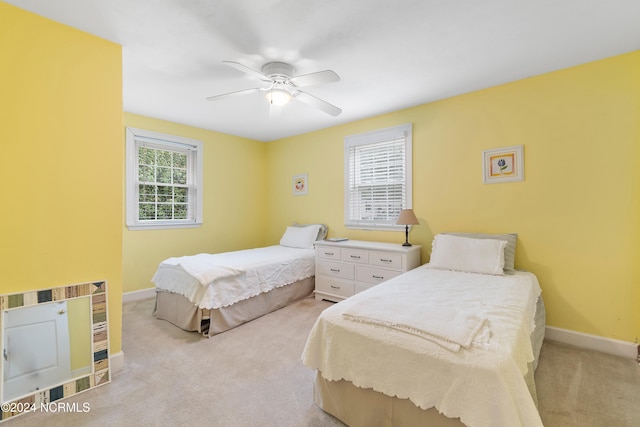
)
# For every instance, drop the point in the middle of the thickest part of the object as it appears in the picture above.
(165, 226)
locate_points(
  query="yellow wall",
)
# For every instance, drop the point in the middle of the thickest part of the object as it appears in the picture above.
(577, 212)
(235, 198)
(62, 159)
(80, 334)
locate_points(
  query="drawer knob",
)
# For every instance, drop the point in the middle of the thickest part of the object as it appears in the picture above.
(355, 256)
(335, 287)
(335, 270)
(378, 277)
(385, 260)
(329, 253)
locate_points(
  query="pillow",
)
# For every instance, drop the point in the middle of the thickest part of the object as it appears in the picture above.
(509, 250)
(322, 232)
(300, 237)
(467, 254)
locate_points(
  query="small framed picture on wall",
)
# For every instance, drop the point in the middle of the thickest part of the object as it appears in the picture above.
(503, 164)
(300, 184)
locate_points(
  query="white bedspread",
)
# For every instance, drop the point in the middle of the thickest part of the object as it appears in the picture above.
(219, 280)
(483, 384)
(414, 312)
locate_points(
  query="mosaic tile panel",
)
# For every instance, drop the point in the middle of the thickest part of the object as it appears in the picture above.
(101, 371)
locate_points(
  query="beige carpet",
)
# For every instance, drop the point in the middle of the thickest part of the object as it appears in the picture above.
(253, 376)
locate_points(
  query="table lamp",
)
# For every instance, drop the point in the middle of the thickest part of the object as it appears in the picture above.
(407, 218)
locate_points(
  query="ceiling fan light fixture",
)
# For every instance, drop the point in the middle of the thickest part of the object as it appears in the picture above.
(283, 85)
(278, 97)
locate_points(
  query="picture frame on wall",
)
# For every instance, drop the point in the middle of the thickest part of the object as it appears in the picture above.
(300, 184)
(504, 164)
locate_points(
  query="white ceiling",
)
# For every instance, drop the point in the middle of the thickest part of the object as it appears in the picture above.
(390, 54)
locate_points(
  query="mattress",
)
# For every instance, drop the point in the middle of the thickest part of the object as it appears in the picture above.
(488, 383)
(220, 280)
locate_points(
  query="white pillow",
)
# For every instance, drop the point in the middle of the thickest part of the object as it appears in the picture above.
(322, 229)
(466, 254)
(509, 250)
(300, 237)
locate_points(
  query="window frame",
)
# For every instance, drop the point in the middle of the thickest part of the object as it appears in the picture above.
(373, 137)
(161, 141)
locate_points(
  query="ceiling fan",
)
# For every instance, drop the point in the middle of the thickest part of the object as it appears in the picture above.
(281, 85)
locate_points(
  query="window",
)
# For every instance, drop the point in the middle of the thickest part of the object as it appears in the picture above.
(164, 180)
(377, 177)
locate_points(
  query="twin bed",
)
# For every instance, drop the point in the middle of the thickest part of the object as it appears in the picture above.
(211, 293)
(453, 342)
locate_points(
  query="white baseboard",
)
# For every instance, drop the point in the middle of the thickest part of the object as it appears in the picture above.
(593, 342)
(117, 362)
(139, 295)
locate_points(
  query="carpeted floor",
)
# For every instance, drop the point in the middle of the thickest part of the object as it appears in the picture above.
(253, 376)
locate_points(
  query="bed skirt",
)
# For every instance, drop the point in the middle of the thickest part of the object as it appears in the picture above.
(357, 406)
(178, 310)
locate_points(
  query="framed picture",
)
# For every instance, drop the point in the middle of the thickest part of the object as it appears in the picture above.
(503, 164)
(300, 184)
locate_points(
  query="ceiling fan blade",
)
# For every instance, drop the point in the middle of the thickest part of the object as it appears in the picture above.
(232, 94)
(326, 76)
(250, 71)
(318, 103)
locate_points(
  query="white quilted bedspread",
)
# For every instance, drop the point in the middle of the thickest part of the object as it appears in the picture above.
(219, 280)
(483, 384)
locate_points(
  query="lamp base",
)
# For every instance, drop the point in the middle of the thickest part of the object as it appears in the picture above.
(406, 236)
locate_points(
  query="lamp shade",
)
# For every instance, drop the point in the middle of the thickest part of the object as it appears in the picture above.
(407, 217)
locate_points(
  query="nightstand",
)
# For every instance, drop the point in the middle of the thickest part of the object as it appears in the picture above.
(351, 266)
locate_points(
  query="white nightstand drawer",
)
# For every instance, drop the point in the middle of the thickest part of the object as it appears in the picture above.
(335, 269)
(350, 266)
(355, 255)
(327, 285)
(386, 260)
(374, 275)
(328, 253)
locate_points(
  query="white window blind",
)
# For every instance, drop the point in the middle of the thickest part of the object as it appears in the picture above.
(164, 180)
(377, 177)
